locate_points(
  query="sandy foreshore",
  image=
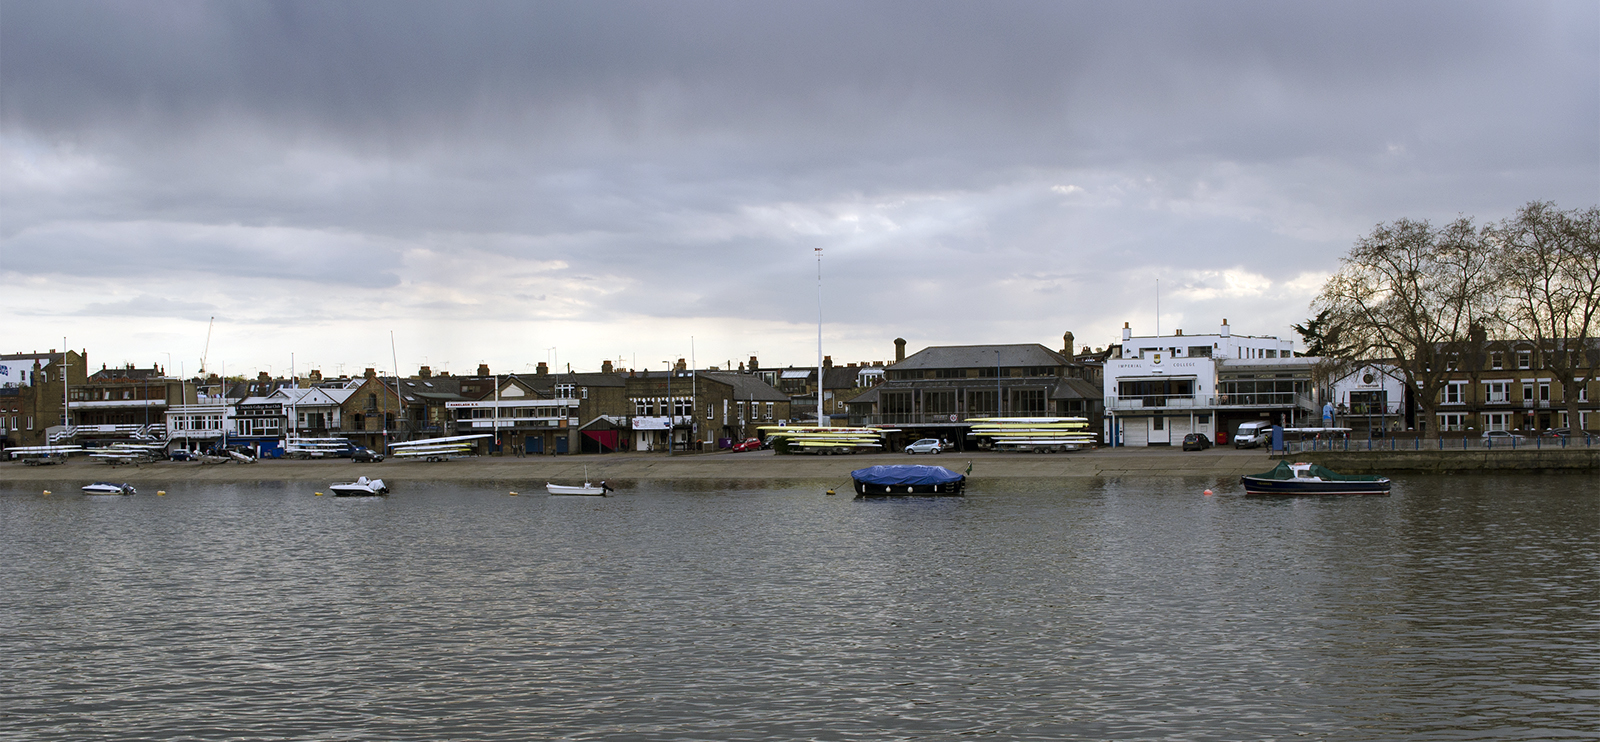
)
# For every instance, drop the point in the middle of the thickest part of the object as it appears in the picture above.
(624, 467)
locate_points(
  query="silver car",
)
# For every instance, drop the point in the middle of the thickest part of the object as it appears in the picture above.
(926, 445)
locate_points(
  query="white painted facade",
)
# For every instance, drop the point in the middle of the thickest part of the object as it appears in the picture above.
(1161, 388)
(1372, 395)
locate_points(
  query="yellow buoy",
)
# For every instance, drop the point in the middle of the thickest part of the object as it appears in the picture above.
(513, 494)
(830, 492)
(161, 493)
(47, 492)
(319, 494)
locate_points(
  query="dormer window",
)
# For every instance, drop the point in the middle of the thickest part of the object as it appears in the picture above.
(1524, 359)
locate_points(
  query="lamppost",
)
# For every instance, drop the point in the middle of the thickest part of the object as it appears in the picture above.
(669, 410)
(999, 387)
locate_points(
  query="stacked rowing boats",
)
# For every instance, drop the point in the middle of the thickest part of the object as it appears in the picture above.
(1040, 434)
(812, 439)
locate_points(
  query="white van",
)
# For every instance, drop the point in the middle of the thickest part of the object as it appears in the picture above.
(1252, 435)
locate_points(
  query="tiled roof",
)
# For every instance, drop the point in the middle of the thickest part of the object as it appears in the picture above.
(982, 356)
(746, 386)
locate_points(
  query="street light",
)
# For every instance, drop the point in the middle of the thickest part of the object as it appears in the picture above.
(670, 422)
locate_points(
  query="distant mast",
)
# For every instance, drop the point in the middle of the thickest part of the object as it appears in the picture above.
(819, 334)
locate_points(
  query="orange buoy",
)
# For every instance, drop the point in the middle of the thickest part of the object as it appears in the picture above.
(1208, 492)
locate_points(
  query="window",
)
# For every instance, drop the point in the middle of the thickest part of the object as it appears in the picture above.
(981, 402)
(640, 407)
(1583, 391)
(1497, 391)
(1199, 351)
(1369, 403)
(1027, 401)
(566, 391)
(1497, 421)
(939, 403)
(896, 403)
(1544, 392)
(1524, 359)
(1527, 392)
(769, 410)
(1158, 423)
(1452, 421)
(1454, 392)
(1496, 362)
(1202, 419)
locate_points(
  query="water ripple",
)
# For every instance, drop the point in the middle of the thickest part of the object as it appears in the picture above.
(1457, 609)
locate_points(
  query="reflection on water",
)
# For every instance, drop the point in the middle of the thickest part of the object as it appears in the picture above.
(1458, 608)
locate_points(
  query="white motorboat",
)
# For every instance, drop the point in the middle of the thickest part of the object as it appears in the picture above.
(362, 487)
(588, 488)
(592, 490)
(109, 488)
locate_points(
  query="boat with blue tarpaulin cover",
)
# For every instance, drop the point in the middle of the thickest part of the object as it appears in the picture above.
(907, 479)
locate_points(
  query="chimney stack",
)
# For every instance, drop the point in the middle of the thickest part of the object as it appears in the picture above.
(1225, 330)
(262, 376)
(1127, 332)
(483, 369)
(827, 361)
(542, 369)
(754, 366)
(425, 372)
(370, 373)
(605, 367)
(1180, 332)
(1066, 343)
(899, 349)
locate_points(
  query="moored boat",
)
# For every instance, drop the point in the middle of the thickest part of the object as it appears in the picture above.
(587, 489)
(109, 488)
(907, 479)
(591, 490)
(1310, 479)
(362, 487)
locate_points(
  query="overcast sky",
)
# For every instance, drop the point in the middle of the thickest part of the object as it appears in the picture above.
(518, 182)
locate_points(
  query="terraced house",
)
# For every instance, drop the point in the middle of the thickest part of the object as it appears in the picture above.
(1517, 385)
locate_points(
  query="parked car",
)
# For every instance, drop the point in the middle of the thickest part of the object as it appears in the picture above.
(1557, 433)
(1196, 442)
(1501, 438)
(748, 444)
(362, 454)
(926, 445)
(181, 454)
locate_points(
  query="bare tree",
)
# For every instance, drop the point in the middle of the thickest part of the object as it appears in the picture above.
(1550, 264)
(1411, 295)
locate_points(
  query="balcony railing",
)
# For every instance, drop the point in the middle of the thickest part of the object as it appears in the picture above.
(1447, 443)
(1187, 402)
(938, 418)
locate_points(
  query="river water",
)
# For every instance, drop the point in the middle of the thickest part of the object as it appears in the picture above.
(1459, 608)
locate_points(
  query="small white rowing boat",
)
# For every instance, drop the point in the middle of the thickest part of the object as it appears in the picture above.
(588, 488)
(109, 488)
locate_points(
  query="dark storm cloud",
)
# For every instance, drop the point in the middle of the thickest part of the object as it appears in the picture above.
(677, 159)
(1249, 79)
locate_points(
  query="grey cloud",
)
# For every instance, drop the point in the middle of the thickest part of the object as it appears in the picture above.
(692, 153)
